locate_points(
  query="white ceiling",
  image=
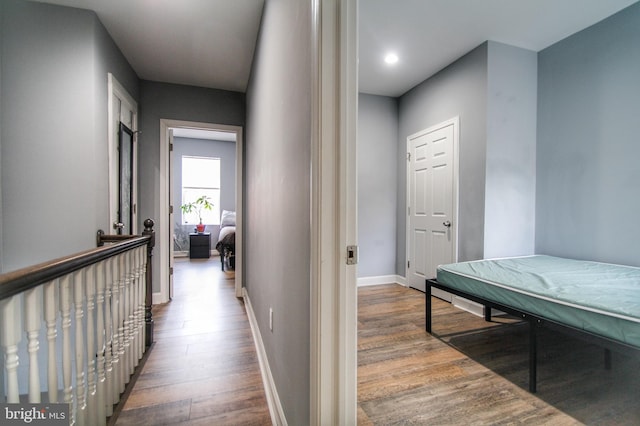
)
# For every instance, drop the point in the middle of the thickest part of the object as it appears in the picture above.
(206, 43)
(210, 43)
(427, 35)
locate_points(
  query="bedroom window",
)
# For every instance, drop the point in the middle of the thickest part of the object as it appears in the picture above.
(201, 176)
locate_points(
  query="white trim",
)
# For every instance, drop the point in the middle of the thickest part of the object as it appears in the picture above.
(333, 297)
(382, 279)
(467, 305)
(162, 230)
(271, 392)
(402, 280)
(157, 298)
(183, 254)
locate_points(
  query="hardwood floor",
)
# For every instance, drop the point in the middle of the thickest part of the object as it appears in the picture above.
(203, 368)
(476, 372)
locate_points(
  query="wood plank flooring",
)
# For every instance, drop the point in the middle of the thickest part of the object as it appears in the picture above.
(203, 368)
(476, 372)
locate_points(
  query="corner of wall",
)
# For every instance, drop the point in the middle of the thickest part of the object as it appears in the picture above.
(510, 170)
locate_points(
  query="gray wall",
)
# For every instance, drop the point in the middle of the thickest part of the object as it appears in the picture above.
(54, 129)
(510, 183)
(175, 102)
(226, 152)
(588, 187)
(1, 220)
(458, 90)
(377, 184)
(277, 222)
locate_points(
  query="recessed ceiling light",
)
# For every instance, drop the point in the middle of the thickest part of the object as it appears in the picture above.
(391, 58)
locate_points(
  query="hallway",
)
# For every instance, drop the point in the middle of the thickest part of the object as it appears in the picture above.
(203, 368)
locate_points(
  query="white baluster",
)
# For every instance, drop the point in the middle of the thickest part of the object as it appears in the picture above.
(127, 315)
(50, 313)
(136, 305)
(33, 322)
(65, 310)
(133, 342)
(78, 302)
(124, 322)
(90, 285)
(109, 351)
(10, 314)
(143, 280)
(122, 348)
(101, 414)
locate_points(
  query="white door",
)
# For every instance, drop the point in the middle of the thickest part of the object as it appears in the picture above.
(432, 201)
(123, 159)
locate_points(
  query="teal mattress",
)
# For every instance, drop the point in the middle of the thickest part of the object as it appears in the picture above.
(599, 298)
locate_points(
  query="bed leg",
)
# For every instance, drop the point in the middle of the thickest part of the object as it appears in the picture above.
(427, 296)
(607, 359)
(487, 313)
(533, 355)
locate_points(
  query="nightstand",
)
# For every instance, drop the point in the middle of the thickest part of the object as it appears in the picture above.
(199, 245)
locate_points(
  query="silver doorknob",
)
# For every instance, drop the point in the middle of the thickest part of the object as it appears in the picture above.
(118, 225)
(447, 224)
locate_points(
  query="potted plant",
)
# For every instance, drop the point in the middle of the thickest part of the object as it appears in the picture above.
(202, 202)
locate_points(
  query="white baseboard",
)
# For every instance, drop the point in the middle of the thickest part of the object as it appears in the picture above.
(472, 307)
(156, 298)
(184, 254)
(382, 279)
(273, 400)
(468, 305)
(441, 294)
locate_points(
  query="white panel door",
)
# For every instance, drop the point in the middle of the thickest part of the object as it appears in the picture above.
(432, 201)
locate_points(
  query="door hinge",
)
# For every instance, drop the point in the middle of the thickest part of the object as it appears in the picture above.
(170, 147)
(408, 156)
(171, 270)
(408, 264)
(170, 209)
(352, 255)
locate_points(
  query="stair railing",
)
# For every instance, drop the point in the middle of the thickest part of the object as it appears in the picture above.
(92, 313)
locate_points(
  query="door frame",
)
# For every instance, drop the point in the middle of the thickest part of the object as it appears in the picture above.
(115, 89)
(164, 225)
(122, 128)
(455, 122)
(334, 296)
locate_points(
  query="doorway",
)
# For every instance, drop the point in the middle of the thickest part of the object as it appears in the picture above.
(125, 181)
(166, 222)
(123, 158)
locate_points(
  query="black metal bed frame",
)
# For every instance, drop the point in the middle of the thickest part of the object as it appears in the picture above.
(535, 321)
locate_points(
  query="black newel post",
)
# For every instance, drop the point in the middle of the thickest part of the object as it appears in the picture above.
(148, 317)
